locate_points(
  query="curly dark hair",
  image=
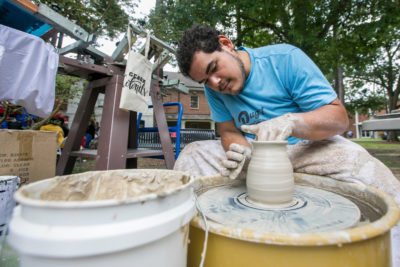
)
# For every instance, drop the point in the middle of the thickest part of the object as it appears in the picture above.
(198, 38)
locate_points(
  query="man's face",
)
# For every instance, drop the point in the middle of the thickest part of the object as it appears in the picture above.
(223, 71)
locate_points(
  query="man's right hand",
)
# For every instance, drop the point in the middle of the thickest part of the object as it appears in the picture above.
(275, 129)
(238, 156)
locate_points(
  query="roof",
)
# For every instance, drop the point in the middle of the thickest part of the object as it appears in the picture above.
(183, 79)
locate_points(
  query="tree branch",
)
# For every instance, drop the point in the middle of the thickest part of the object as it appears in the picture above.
(6, 112)
(367, 80)
(270, 26)
(333, 17)
(39, 124)
(10, 109)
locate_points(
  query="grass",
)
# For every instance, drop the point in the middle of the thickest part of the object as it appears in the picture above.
(387, 152)
(83, 165)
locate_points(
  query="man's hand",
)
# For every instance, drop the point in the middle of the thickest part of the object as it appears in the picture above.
(238, 156)
(276, 129)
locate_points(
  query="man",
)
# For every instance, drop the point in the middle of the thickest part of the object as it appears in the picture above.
(272, 93)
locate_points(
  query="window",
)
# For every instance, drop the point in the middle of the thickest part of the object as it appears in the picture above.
(366, 133)
(194, 102)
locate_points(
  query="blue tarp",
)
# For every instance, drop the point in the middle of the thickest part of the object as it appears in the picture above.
(15, 17)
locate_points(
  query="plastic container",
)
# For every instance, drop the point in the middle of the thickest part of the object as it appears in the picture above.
(8, 185)
(150, 230)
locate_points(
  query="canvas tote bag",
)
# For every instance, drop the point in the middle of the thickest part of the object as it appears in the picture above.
(135, 95)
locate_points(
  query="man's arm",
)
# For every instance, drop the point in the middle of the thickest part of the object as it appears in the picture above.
(322, 123)
(230, 134)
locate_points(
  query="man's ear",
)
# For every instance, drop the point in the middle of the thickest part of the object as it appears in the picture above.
(226, 43)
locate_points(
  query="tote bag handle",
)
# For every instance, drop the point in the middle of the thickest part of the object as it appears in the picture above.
(147, 44)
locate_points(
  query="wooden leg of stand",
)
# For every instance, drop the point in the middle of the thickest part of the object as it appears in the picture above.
(114, 128)
(86, 106)
(162, 125)
(132, 162)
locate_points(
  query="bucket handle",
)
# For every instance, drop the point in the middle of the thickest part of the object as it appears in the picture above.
(203, 253)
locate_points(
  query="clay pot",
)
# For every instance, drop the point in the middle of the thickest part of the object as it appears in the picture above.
(270, 173)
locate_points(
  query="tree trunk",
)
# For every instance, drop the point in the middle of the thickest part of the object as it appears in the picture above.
(392, 135)
(339, 88)
(238, 27)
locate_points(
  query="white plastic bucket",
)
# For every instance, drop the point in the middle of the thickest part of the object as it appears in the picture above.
(8, 185)
(150, 230)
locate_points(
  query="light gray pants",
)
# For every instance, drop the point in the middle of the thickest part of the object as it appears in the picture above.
(337, 158)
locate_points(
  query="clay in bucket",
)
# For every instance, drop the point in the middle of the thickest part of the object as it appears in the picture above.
(111, 185)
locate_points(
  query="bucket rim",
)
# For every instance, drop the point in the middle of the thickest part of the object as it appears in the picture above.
(8, 177)
(358, 233)
(32, 202)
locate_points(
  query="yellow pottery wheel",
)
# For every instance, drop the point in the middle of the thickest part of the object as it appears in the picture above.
(365, 245)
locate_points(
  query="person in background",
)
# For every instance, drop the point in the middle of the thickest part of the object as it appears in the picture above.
(90, 132)
(350, 134)
(54, 126)
(63, 126)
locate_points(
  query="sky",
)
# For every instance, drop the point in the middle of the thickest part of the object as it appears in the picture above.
(108, 46)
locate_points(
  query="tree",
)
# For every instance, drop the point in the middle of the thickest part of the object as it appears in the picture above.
(364, 100)
(99, 17)
(381, 46)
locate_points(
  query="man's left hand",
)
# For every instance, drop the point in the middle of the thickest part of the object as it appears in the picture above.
(237, 158)
(276, 129)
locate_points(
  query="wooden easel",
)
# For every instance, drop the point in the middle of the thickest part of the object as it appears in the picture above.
(117, 139)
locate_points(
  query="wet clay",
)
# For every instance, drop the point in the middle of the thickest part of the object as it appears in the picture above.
(270, 174)
(111, 185)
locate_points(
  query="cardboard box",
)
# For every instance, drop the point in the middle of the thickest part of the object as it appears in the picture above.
(31, 155)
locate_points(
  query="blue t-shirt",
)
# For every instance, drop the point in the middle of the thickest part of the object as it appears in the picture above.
(282, 79)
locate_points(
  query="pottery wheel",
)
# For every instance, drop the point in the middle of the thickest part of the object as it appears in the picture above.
(312, 210)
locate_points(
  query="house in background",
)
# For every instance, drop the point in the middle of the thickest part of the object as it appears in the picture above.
(196, 112)
(391, 122)
(355, 126)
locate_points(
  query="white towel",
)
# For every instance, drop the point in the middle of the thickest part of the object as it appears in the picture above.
(28, 68)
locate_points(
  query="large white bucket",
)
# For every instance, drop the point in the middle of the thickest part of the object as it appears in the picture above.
(149, 230)
(8, 185)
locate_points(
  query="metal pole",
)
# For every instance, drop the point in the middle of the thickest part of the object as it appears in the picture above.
(357, 130)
